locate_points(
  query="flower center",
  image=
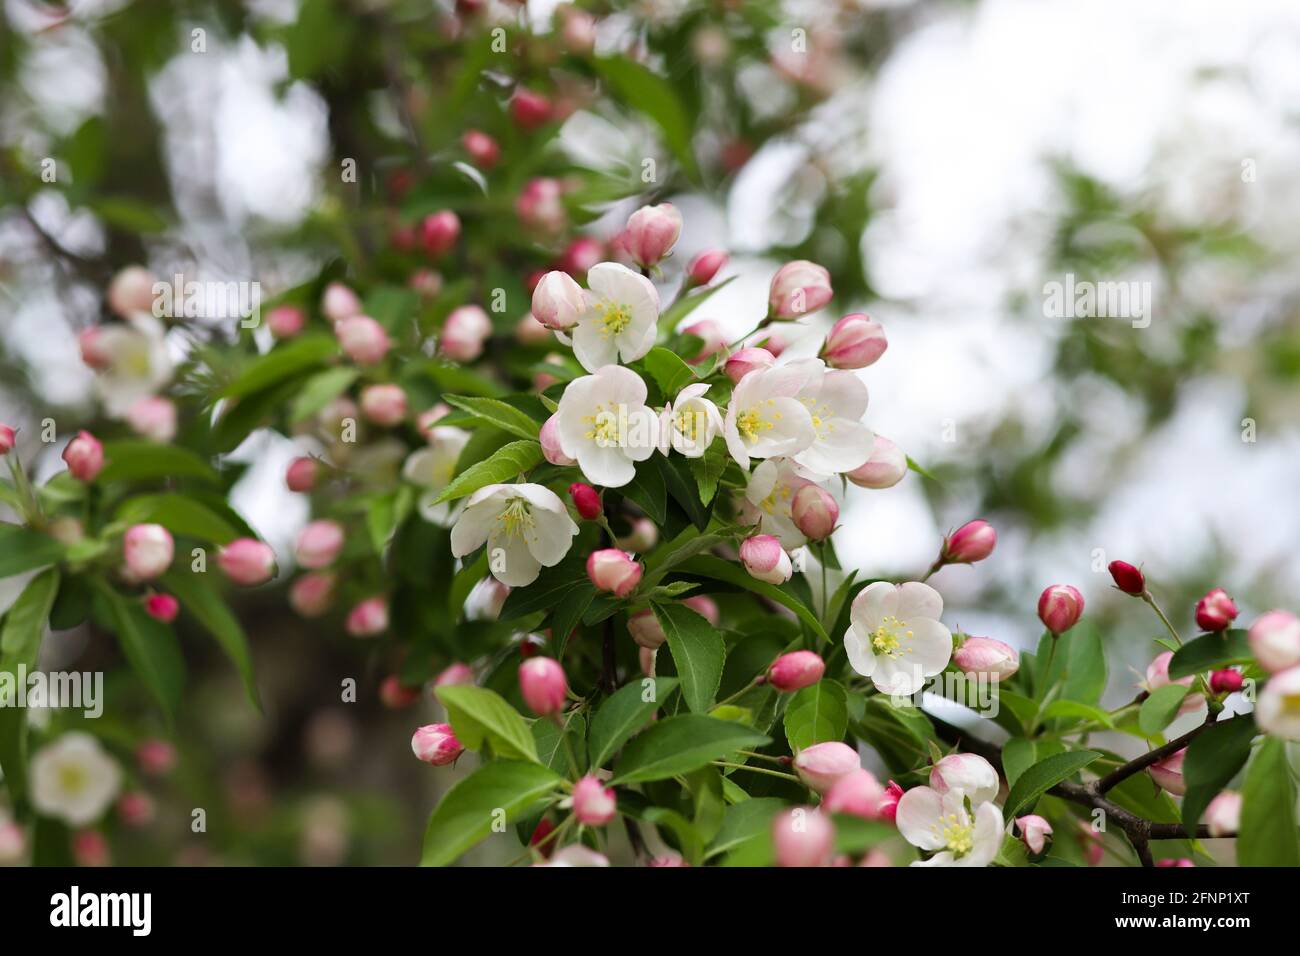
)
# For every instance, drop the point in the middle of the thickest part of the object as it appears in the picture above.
(889, 636)
(957, 834)
(604, 430)
(615, 316)
(821, 416)
(72, 779)
(516, 518)
(751, 423)
(1291, 705)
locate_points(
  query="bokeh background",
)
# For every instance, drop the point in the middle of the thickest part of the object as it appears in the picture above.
(944, 160)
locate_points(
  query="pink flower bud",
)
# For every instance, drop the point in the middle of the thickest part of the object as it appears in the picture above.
(339, 302)
(705, 265)
(426, 282)
(889, 802)
(1059, 607)
(301, 474)
(247, 562)
(645, 629)
(969, 773)
(1175, 863)
(712, 339)
(6, 439)
(1215, 611)
(94, 352)
(285, 321)
(580, 255)
(613, 570)
(802, 837)
(704, 606)
(748, 360)
(652, 232)
(815, 512)
(135, 808)
(796, 670)
(578, 30)
(540, 205)
(454, 675)
(319, 544)
(1223, 815)
(155, 758)
(594, 804)
(363, 339)
(857, 793)
(162, 607)
(855, 341)
(13, 842)
(799, 287)
(542, 682)
(1275, 641)
(587, 500)
(1226, 681)
(436, 744)
(464, 333)
(312, 594)
(529, 110)
(153, 418)
(84, 456)
(368, 618)
(1168, 773)
(550, 439)
(482, 148)
(1127, 578)
(383, 405)
(641, 538)
(821, 765)
(530, 332)
(90, 848)
(884, 469)
(1035, 834)
(147, 550)
(765, 559)
(558, 302)
(131, 291)
(973, 541)
(985, 657)
(646, 658)
(439, 232)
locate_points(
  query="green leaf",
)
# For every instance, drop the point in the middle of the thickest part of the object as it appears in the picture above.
(680, 744)
(697, 650)
(671, 317)
(20, 644)
(149, 646)
(651, 95)
(467, 812)
(708, 469)
(1085, 673)
(179, 514)
(147, 460)
(647, 489)
(1041, 777)
(546, 592)
(319, 390)
(902, 735)
(919, 469)
(1268, 825)
(743, 821)
(506, 462)
(1159, 710)
(498, 413)
(668, 370)
(623, 714)
(198, 599)
(1018, 755)
(1212, 760)
(479, 714)
(1210, 652)
(709, 566)
(817, 714)
(1074, 710)
(281, 363)
(22, 549)
(549, 738)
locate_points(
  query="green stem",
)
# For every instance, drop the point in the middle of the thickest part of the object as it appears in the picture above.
(1163, 620)
(740, 693)
(764, 770)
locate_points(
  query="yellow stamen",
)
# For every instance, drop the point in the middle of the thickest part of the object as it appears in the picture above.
(888, 638)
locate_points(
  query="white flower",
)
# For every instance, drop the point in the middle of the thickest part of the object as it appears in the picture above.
(769, 496)
(74, 780)
(432, 468)
(689, 424)
(765, 418)
(969, 773)
(136, 363)
(941, 822)
(1278, 710)
(621, 319)
(526, 527)
(836, 401)
(896, 638)
(605, 426)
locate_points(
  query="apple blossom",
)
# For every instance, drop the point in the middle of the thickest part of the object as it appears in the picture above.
(769, 500)
(153, 418)
(1059, 607)
(586, 500)
(1175, 862)
(339, 302)
(799, 287)
(1275, 641)
(895, 637)
(986, 657)
(312, 594)
(821, 765)
(815, 512)
(432, 468)
(6, 439)
(368, 618)
(247, 561)
(318, 544)
(131, 291)
(540, 205)
(558, 301)
(802, 837)
(1035, 834)
(941, 823)
(705, 265)
(578, 29)
(464, 333)
(549, 437)
(301, 474)
(542, 682)
(436, 745)
(483, 149)
(651, 233)
(642, 536)
(1127, 578)
(612, 570)
(454, 675)
(1215, 611)
(765, 418)
(528, 109)
(646, 630)
(704, 606)
(605, 426)
(575, 854)
(857, 793)
(162, 607)
(147, 550)
(795, 670)
(969, 773)
(594, 804)
(884, 469)
(285, 321)
(854, 342)
(689, 423)
(621, 318)
(1277, 711)
(889, 802)
(84, 456)
(383, 405)
(72, 779)
(362, 339)
(747, 360)
(426, 282)
(836, 401)
(525, 527)
(1168, 773)
(439, 232)
(580, 255)
(1223, 815)
(973, 541)
(765, 559)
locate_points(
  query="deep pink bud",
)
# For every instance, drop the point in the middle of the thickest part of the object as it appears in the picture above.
(580, 255)
(704, 606)
(594, 803)
(436, 744)
(613, 570)
(285, 321)
(94, 351)
(712, 339)
(884, 469)
(540, 204)
(6, 439)
(147, 550)
(1225, 681)
(550, 441)
(973, 541)
(339, 302)
(155, 758)
(454, 675)
(319, 544)
(1059, 607)
(821, 765)
(84, 456)
(983, 656)
(857, 793)
(748, 360)
(135, 808)
(1275, 641)
(855, 341)
(542, 682)
(587, 500)
(652, 232)
(482, 148)
(558, 301)
(1215, 611)
(765, 559)
(1176, 863)
(368, 618)
(796, 670)
(247, 561)
(90, 848)
(301, 474)
(646, 630)
(1168, 773)
(363, 339)
(528, 109)
(439, 232)
(162, 607)
(705, 265)
(889, 802)
(464, 332)
(1127, 578)
(395, 695)
(383, 405)
(815, 512)
(799, 287)
(312, 594)
(802, 837)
